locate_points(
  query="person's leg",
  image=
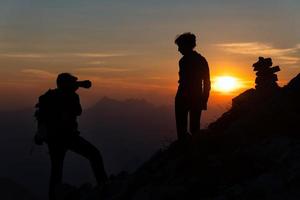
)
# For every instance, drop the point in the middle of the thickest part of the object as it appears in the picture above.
(181, 115)
(81, 146)
(57, 155)
(195, 116)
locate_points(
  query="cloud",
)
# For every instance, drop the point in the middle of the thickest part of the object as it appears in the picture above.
(97, 62)
(286, 55)
(124, 83)
(42, 74)
(99, 55)
(290, 59)
(103, 69)
(156, 78)
(23, 55)
(61, 55)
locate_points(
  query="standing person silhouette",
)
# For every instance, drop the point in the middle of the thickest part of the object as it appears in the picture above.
(57, 119)
(194, 86)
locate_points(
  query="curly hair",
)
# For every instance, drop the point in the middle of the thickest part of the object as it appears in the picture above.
(186, 39)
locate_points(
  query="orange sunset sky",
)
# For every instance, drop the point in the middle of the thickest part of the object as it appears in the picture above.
(127, 47)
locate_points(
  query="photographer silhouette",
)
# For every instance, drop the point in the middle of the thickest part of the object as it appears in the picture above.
(57, 114)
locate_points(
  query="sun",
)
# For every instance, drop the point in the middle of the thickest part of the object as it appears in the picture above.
(226, 84)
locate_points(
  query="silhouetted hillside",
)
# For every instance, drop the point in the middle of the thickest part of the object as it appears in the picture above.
(251, 152)
(11, 191)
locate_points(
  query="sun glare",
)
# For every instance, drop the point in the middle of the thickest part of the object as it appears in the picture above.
(226, 84)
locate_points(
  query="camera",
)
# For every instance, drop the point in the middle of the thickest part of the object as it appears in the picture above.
(84, 84)
(67, 81)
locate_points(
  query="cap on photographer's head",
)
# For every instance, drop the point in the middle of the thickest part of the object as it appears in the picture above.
(66, 81)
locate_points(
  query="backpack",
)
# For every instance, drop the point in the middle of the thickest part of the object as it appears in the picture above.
(45, 115)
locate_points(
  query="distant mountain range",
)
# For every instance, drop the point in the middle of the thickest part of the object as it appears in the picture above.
(127, 132)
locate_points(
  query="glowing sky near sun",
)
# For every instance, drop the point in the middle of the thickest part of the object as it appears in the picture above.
(127, 47)
(226, 84)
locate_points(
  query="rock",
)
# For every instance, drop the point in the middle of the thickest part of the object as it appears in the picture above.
(67, 192)
(266, 79)
(11, 190)
(294, 84)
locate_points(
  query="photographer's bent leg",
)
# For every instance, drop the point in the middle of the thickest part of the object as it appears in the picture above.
(181, 115)
(89, 151)
(57, 155)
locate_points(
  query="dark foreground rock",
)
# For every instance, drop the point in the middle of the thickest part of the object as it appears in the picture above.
(10, 190)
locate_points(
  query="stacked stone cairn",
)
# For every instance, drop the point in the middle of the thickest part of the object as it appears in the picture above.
(266, 84)
(266, 79)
